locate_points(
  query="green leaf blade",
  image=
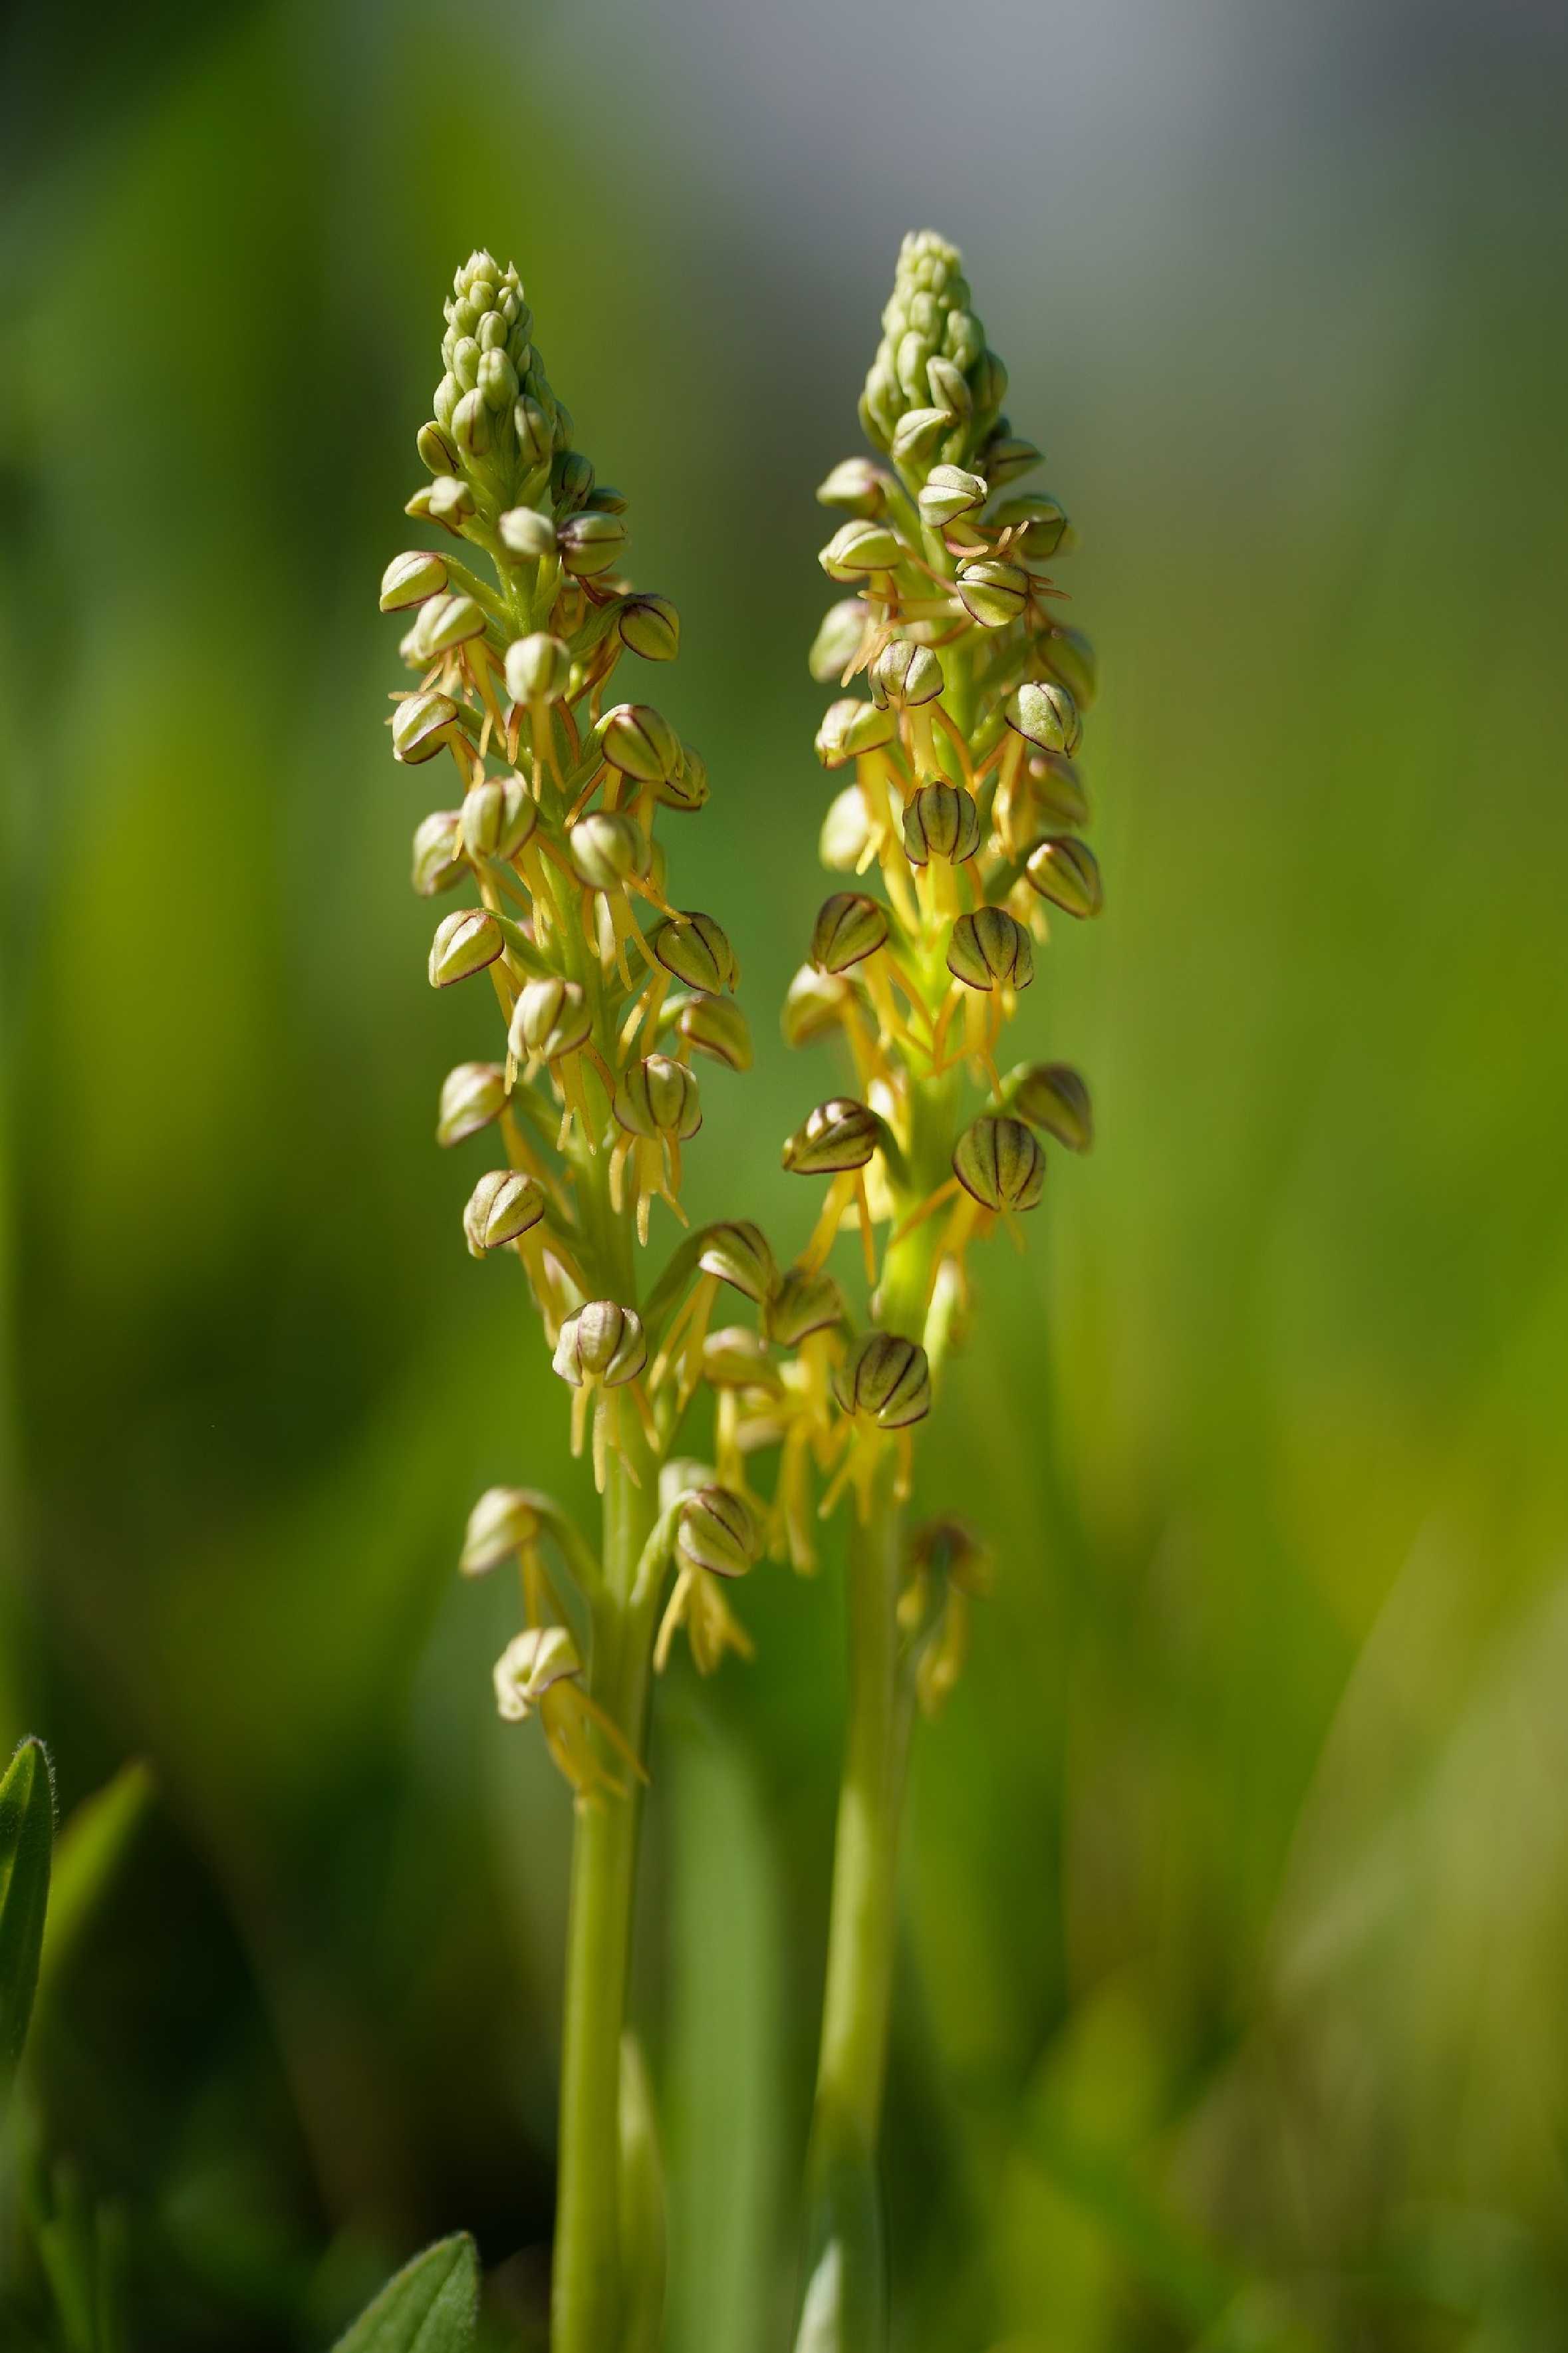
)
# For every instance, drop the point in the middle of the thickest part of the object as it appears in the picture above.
(26, 1847)
(429, 2306)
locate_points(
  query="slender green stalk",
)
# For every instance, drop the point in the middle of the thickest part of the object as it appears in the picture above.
(864, 1911)
(560, 792)
(962, 795)
(586, 2294)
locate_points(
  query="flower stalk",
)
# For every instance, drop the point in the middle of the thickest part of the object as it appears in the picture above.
(964, 804)
(604, 996)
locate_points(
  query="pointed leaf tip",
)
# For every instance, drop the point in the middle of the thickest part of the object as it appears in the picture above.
(26, 1844)
(429, 2306)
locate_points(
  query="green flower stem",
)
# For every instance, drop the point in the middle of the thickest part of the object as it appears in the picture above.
(845, 2242)
(587, 2292)
(863, 1917)
(586, 2289)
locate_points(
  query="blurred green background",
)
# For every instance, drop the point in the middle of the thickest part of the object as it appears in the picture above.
(1233, 2009)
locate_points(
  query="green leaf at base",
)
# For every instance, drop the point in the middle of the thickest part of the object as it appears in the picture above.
(428, 2307)
(26, 1844)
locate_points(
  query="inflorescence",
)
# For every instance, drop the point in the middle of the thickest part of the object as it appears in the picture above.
(963, 799)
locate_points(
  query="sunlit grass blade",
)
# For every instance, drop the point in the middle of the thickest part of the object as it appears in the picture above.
(90, 1848)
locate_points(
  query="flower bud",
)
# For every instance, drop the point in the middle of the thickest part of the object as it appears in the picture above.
(990, 949)
(409, 579)
(1041, 523)
(1071, 661)
(531, 1664)
(640, 742)
(941, 821)
(949, 387)
(649, 626)
(497, 384)
(1006, 456)
(472, 1096)
(804, 1302)
(538, 669)
(917, 433)
(950, 492)
(571, 477)
(591, 542)
(850, 727)
(421, 724)
(849, 926)
(527, 534)
(504, 1205)
(466, 942)
(885, 1378)
(444, 623)
(1066, 872)
(845, 831)
(657, 1097)
(857, 484)
(551, 1017)
(814, 1004)
(436, 448)
(837, 642)
(990, 592)
(503, 1521)
(734, 1358)
(1045, 715)
(472, 429)
(905, 674)
(694, 948)
(600, 1346)
(1056, 789)
(449, 500)
(438, 859)
(687, 789)
(715, 1531)
(1054, 1096)
(837, 1135)
(999, 1162)
(717, 1026)
(987, 384)
(737, 1253)
(499, 817)
(533, 431)
(608, 849)
(860, 547)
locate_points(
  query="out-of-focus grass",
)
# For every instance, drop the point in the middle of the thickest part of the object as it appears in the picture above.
(1238, 1904)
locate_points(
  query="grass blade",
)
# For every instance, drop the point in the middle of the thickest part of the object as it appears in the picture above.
(26, 1844)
